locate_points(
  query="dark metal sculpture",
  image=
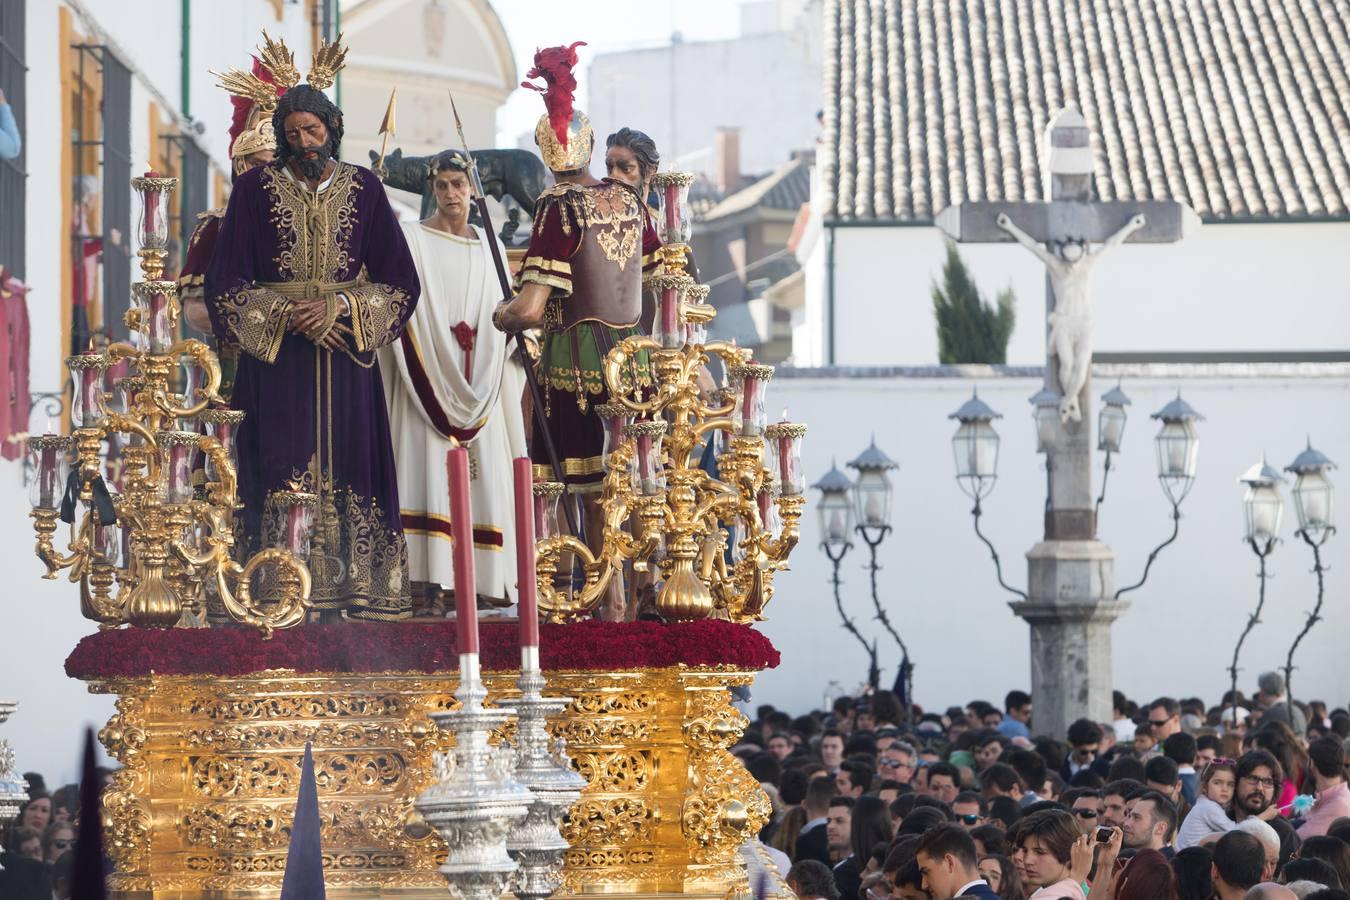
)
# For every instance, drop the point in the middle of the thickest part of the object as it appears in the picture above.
(517, 174)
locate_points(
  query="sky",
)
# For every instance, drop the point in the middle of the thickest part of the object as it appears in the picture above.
(605, 27)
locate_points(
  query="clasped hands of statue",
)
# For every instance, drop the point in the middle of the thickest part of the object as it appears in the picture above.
(310, 317)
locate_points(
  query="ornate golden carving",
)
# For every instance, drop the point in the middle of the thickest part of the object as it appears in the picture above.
(217, 760)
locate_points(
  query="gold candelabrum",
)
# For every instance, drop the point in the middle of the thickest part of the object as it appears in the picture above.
(149, 549)
(712, 543)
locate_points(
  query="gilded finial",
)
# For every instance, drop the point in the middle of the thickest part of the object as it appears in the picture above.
(328, 59)
(281, 61)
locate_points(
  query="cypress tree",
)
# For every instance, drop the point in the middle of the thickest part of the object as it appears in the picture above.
(970, 330)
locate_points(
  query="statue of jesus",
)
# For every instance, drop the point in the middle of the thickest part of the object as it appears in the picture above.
(1070, 264)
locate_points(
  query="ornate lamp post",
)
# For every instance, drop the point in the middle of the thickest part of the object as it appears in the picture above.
(1264, 509)
(975, 450)
(1178, 448)
(1313, 503)
(872, 498)
(835, 510)
(1110, 433)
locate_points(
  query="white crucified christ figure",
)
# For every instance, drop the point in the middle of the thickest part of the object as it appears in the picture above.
(1070, 264)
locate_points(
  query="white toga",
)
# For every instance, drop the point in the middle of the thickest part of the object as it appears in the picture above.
(427, 392)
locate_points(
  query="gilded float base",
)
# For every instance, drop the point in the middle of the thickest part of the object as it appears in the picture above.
(203, 805)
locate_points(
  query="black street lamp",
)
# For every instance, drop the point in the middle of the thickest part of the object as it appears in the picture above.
(835, 510)
(1264, 509)
(1313, 502)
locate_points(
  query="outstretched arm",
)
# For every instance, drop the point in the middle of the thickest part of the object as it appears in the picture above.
(1136, 222)
(1026, 240)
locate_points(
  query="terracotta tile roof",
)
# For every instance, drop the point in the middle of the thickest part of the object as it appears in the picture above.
(1240, 108)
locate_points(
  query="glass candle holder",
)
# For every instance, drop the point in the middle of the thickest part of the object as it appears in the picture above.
(125, 390)
(697, 314)
(752, 380)
(175, 449)
(223, 425)
(616, 417)
(156, 313)
(768, 508)
(784, 441)
(546, 497)
(154, 223)
(645, 466)
(674, 225)
(668, 326)
(107, 543)
(48, 457)
(88, 379)
(193, 379)
(297, 511)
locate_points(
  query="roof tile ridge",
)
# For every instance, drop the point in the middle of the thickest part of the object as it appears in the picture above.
(1330, 80)
(881, 115)
(1168, 62)
(862, 107)
(1160, 153)
(963, 63)
(1025, 82)
(1198, 169)
(950, 131)
(898, 188)
(1238, 192)
(991, 180)
(1001, 101)
(829, 165)
(1119, 154)
(848, 149)
(1280, 130)
(919, 186)
(1263, 193)
(1305, 111)
(932, 109)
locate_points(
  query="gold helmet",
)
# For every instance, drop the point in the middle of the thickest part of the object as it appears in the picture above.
(564, 134)
(254, 94)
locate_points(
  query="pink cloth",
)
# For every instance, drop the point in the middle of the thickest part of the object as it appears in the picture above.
(1331, 804)
(14, 397)
(1068, 889)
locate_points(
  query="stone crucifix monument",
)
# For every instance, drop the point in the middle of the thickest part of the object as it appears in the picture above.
(1070, 574)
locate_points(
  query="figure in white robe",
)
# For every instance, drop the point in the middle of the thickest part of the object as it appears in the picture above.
(451, 376)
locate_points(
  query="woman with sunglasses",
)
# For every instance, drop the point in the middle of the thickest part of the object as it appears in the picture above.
(56, 840)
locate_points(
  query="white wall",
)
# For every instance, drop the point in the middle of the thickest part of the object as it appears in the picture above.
(1228, 287)
(767, 84)
(41, 619)
(938, 581)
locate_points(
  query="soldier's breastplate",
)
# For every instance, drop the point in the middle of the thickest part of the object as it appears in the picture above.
(607, 275)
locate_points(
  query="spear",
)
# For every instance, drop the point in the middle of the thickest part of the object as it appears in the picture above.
(386, 129)
(504, 279)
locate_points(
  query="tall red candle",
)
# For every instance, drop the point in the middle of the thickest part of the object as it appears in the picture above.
(151, 205)
(461, 530)
(526, 588)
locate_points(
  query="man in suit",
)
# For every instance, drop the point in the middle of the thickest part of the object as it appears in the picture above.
(946, 858)
(812, 842)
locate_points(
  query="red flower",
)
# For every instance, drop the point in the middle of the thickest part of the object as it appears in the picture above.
(353, 647)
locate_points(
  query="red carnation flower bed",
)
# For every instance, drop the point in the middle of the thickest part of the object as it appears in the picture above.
(354, 647)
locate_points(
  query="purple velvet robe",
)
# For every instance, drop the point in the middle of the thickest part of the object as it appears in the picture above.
(316, 419)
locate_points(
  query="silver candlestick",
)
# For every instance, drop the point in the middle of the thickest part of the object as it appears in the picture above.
(542, 766)
(475, 801)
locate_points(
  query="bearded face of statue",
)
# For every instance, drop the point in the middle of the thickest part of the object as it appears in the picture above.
(311, 144)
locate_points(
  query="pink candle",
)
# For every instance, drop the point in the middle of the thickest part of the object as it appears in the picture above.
(525, 583)
(670, 318)
(461, 528)
(297, 530)
(672, 210)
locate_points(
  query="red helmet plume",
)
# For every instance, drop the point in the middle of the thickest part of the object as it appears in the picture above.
(554, 65)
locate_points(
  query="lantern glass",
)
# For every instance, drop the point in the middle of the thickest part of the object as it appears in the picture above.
(872, 497)
(1047, 423)
(785, 447)
(668, 329)
(88, 379)
(1110, 427)
(48, 460)
(176, 457)
(297, 510)
(673, 224)
(125, 391)
(645, 464)
(1178, 446)
(1264, 509)
(750, 405)
(835, 510)
(1313, 502)
(768, 509)
(546, 497)
(193, 379)
(975, 448)
(108, 545)
(154, 222)
(223, 425)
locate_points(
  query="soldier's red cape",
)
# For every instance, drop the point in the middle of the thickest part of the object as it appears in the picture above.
(554, 65)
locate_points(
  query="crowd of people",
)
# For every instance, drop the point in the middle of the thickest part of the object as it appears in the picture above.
(38, 858)
(1175, 800)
